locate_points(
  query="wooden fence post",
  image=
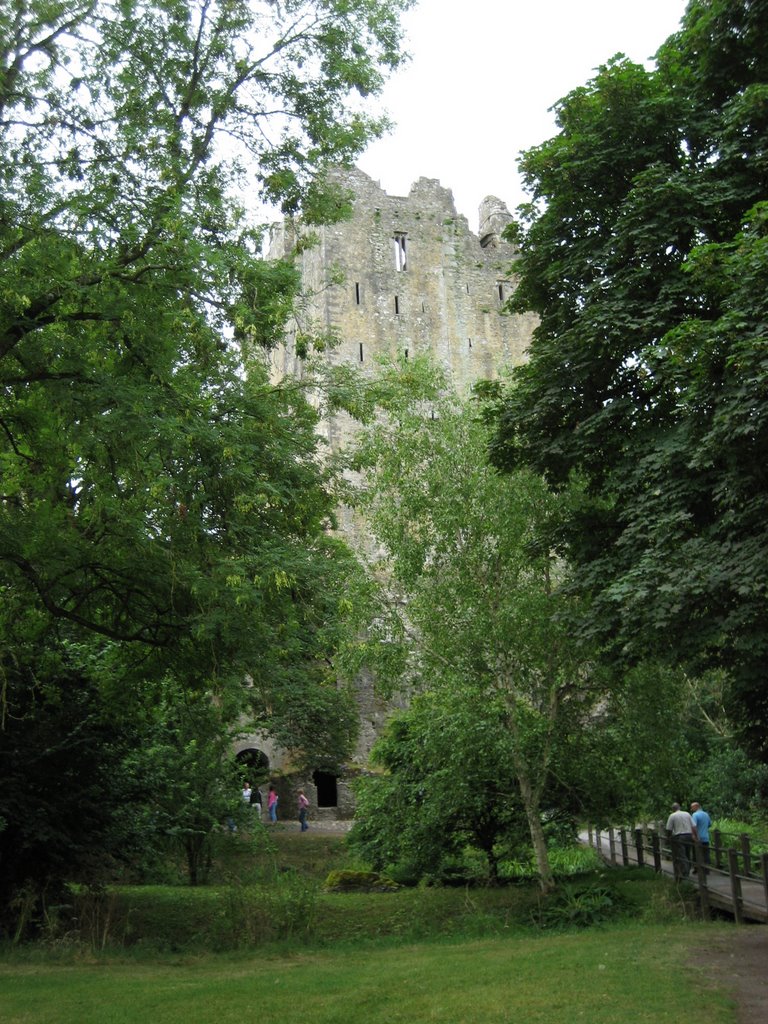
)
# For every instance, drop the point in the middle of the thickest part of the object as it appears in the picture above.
(661, 832)
(733, 871)
(701, 873)
(678, 855)
(656, 847)
(624, 847)
(746, 854)
(639, 847)
(612, 846)
(764, 871)
(718, 842)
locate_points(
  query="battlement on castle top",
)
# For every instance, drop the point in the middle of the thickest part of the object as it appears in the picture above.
(405, 275)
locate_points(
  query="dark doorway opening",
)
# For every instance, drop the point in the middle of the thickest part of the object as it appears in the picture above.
(327, 789)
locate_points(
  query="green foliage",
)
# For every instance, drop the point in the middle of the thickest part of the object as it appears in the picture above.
(181, 783)
(251, 916)
(442, 791)
(735, 785)
(581, 906)
(733, 829)
(643, 255)
(61, 752)
(639, 749)
(269, 890)
(469, 607)
(164, 516)
(566, 859)
(359, 881)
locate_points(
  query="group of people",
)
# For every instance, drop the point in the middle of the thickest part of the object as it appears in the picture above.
(253, 798)
(684, 829)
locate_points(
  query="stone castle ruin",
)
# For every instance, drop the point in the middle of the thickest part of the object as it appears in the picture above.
(403, 276)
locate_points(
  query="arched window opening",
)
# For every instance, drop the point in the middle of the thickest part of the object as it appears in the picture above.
(256, 762)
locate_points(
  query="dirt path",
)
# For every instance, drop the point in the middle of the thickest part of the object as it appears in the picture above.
(738, 960)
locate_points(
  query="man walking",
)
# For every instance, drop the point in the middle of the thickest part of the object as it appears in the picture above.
(682, 832)
(702, 822)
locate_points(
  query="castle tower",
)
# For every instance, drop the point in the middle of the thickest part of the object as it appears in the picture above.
(403, 276)
(413, 279)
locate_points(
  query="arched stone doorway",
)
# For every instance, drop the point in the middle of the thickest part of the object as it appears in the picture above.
(256, 762)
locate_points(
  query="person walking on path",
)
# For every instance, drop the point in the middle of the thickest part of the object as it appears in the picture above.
(246, 792)
(303, 810)
(682, 831)
(702, 822)
(272, 801)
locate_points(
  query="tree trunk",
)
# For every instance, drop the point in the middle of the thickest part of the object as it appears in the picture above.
(533, 816)
(194, 845)
(493, 866)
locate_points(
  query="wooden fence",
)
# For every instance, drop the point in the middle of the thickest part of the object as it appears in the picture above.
(732, 875)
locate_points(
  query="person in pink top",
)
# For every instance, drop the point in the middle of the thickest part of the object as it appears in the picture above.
(272, 801)
(303, 810)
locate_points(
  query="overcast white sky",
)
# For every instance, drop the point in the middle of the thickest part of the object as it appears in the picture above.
(482, 77)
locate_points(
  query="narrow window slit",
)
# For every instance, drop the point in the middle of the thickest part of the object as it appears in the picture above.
(401, 259)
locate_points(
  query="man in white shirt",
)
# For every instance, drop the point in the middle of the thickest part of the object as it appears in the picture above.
(682, 832)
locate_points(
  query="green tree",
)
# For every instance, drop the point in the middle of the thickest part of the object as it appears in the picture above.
(469, 598)
(180, 782)
(643, 252)
(162, 502)
(127, 420)
(443, 786)
(61, 753)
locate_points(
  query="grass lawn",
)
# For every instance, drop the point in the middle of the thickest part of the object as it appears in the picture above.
(623, 974)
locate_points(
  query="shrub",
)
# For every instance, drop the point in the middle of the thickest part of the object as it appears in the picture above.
(581, 906)
(404, 872)
(359, 881)
(252, 915)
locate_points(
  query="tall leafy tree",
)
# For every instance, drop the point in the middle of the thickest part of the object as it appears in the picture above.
(157, 489)
(468, 596)
(643, 253)
(162, 502)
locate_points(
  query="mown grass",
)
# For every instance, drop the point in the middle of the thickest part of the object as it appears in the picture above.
(265, 942)
(618, 974)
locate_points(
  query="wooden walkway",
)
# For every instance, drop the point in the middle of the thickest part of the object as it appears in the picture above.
(728, 888)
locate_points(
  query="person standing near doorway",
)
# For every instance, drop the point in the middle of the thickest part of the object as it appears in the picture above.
(272, 801)
(256, 801)
(303, 810)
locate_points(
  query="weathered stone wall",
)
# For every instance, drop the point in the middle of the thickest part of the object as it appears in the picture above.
(447, 299)
(404, 276)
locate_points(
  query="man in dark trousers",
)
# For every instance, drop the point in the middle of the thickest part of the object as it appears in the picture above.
(702, 822)
(682, 832)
